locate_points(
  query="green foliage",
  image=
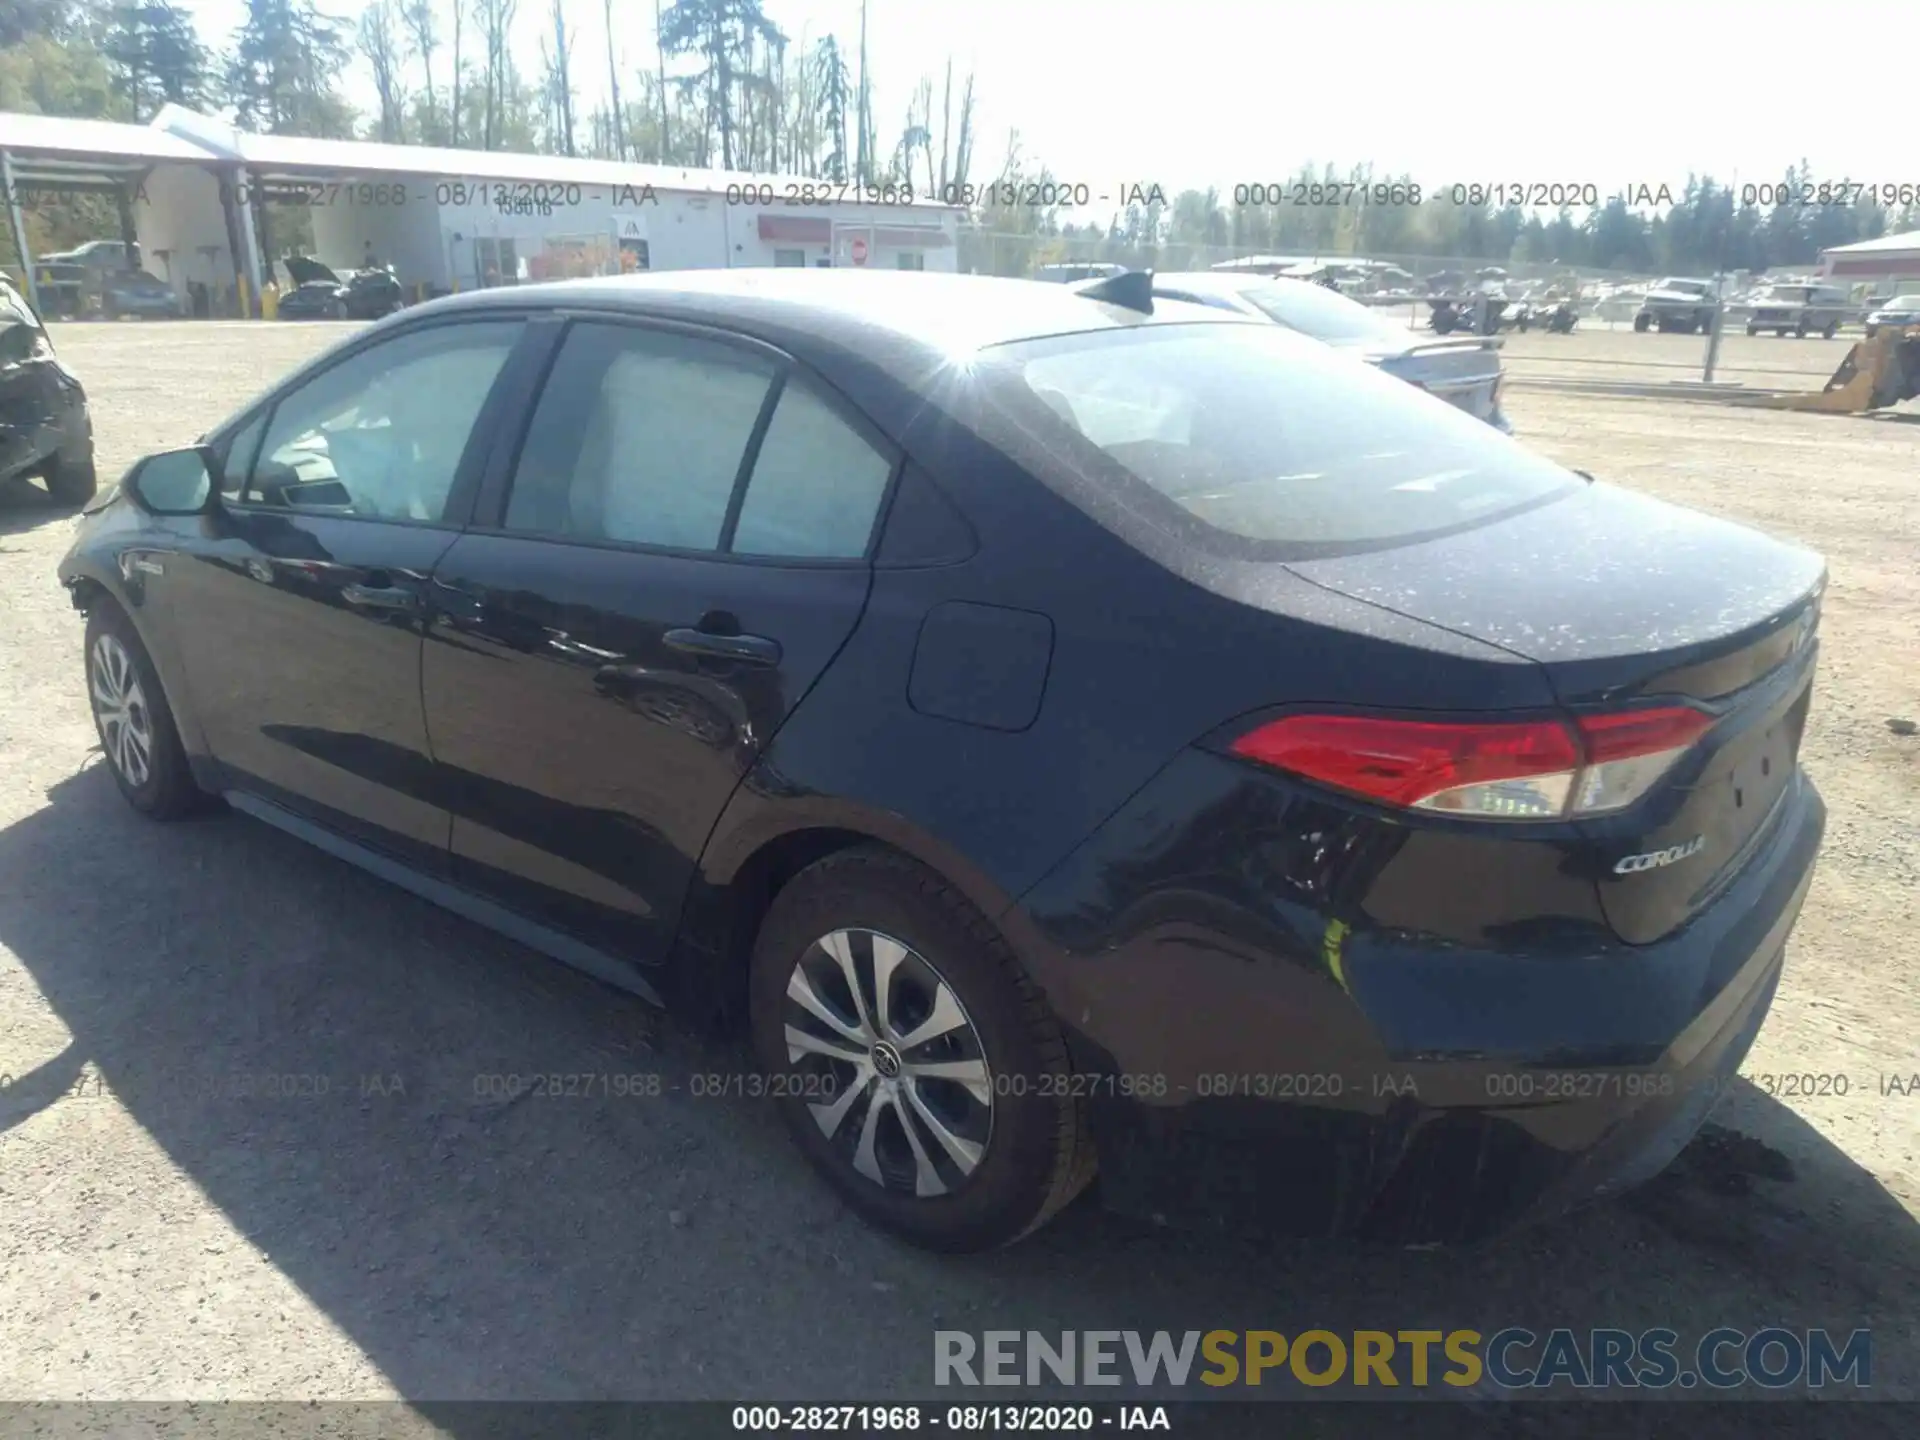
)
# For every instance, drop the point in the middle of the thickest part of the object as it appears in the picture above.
(281, 79)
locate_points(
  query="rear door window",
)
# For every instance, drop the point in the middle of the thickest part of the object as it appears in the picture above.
(1256, 442)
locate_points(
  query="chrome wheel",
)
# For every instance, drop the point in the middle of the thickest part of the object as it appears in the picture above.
(120, 707)
(906, 1095)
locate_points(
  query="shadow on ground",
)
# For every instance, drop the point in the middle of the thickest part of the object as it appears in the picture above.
(672, 1245)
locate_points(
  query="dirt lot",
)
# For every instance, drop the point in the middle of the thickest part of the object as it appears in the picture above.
(414, 1239)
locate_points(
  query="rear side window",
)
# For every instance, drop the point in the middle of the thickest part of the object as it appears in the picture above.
(817, 484)
(1254, 441)
(643, 437)
(638, 437)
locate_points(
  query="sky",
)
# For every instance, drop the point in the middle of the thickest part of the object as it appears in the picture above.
(1192, 93)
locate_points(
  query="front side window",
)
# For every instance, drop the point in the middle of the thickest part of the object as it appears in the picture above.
(910, 260)
(638, 437)
(1265, 441)
(787, 259)
(381, 433)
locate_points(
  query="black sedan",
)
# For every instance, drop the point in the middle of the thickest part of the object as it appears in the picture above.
(46, 429)
(1066, 731)
(320, 293)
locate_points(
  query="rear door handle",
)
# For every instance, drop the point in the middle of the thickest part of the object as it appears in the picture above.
(742, 649)
(380, 597)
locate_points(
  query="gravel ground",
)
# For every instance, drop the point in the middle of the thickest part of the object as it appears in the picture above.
(400, 1235)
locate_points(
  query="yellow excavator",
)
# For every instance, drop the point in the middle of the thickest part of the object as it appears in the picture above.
(1877, 372)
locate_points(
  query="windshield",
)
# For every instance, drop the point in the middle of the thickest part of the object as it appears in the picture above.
(1317, 311)
(1904, 302)
(1685, 287)
(1269, 443)
(1788, 292)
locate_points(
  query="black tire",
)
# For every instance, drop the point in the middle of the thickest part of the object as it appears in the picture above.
(1036, 1156)
(1829, 331)
(1800, 332)
(167, 791)
(1781, 332)
(1752, 329)
(1641, 323)
(1872, 330)
(72, 480)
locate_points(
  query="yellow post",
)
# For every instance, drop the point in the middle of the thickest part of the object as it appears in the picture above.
(270, 302)
(246, 304)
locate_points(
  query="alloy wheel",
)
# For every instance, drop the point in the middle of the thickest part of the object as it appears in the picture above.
(905, 1092)
(120, 706)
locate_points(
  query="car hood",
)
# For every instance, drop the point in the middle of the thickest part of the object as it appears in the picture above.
(307, 271)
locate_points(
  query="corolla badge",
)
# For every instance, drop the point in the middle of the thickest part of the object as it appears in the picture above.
(1654, 859)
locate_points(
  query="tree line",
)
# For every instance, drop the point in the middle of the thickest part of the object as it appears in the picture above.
(721, 86)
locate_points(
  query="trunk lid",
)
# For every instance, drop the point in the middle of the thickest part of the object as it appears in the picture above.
(1622, 600)
(1463, 372)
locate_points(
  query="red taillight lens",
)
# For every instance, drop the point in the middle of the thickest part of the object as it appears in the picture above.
(1512, 770)
(1424, 763)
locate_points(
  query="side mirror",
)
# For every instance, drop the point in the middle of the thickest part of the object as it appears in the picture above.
(174, 482)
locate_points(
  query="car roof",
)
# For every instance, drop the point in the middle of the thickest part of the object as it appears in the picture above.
(866, 311)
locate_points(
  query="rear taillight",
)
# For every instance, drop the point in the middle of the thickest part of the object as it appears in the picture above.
(1498, 770)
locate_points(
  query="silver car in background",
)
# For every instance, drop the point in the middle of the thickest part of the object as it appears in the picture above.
(1465, 371)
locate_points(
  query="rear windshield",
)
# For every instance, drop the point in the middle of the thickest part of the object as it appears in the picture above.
(1317, 311)
(1255, 442)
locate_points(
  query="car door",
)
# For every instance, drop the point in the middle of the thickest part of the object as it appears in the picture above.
(297, 609)
(646, 592)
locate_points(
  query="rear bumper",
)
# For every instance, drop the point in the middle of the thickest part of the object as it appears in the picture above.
(1302, 1074)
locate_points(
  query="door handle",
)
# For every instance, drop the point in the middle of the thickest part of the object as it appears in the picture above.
(741, 649)
(380, 597)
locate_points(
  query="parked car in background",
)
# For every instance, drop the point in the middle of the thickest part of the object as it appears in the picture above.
(1466, 372)
(103, 255)
(1066, 730)
(1073, 272)
(1900, 310)
(321, 293)
(138, 292)
(1798, 308)
(1677, 304)
(45, 427)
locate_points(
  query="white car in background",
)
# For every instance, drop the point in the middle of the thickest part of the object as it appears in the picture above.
(1465, 371)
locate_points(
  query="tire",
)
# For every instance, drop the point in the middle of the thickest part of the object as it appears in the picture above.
(158, 782)
(1752, 329)
(1828, 332)
(339, 310)
(72, 481)
(1781, 333)
(1022, 1151)
(1641, 324)
(1872, 330)
(1800, 332)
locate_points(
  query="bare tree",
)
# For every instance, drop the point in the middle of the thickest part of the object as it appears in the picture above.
(380, 42)
(946, 129)
(496, 30)
(423, 38)
(453, 112)
(863, 157)
(559, 78)
(615, 115)
(660, 58)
